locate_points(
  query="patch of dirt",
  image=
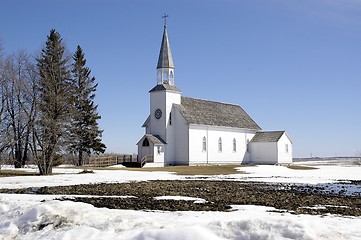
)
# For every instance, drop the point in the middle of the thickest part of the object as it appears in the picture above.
(301, 167)
(219, 195)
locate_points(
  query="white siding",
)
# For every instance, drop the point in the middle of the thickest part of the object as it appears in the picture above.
(283, 155)
(212, 155)
(181, 136)
(264, 152)
(164, 101)
(271, 152)
(172, 98)
(159, 157)
(157, 126)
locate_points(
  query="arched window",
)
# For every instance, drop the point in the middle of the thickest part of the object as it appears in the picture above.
(170, 118)
(145, 143)
(247, 145)
(234, 145)
(286, 148)
(165, 78)
(220, 145)
(204, 144)
(171, 75)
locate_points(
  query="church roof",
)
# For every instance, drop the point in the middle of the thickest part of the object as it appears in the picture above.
(161, 87)
(203, 112)
(165, 59)
(269, 136)
(155, 139)
(146, 121)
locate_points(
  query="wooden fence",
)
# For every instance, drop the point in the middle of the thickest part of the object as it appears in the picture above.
(111, 160)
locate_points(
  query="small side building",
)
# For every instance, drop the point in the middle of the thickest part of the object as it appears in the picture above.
(271, 147)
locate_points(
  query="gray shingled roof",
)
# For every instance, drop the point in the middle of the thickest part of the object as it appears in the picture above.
(155, 139)
(202, 112)
(146, 121)
(165, 59)
(161, 87)
(270, 136)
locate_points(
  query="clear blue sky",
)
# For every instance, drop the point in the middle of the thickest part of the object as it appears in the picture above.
(292, 65)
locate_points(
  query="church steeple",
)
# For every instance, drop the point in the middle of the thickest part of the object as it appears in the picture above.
(165, 66)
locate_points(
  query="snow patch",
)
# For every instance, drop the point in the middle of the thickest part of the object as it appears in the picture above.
(181, 198)
(176, 233)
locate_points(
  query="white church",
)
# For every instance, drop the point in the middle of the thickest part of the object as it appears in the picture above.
(189, 131)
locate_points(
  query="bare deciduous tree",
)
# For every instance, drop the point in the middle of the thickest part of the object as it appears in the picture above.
(18, 73)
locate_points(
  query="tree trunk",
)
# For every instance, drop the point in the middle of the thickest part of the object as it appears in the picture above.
(80, 158)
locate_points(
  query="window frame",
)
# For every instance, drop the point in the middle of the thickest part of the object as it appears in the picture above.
(204, 144)
(220, 145)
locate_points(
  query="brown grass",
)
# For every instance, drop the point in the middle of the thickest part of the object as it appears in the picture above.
(14, 173)
(188, 170)
(300, 167)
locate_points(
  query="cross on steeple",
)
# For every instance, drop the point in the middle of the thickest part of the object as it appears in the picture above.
(165, 19)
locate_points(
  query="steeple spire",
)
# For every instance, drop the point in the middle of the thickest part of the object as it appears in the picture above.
(165, 66)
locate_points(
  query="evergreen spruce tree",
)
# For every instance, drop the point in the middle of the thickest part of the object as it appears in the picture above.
(53, 110)
(84, 132)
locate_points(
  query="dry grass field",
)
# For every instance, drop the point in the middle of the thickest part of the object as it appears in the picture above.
(12, 173)
(300, 167)
(184, 170)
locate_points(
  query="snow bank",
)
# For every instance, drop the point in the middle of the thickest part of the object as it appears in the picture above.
(70, 177)
(70, 220)
(324, 174)
(261, 173)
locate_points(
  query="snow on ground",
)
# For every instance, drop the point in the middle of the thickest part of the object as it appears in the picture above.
(42, 217)
(195, 200)
(259, 173)
(324, 174)
(28, 218)
(70, 177)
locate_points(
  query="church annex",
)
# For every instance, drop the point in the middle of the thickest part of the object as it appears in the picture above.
(188, 131)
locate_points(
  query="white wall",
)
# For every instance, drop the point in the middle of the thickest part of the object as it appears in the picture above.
(283, 155)
(164, 101)
(157, 126)
(212, 155)
(171, 98)
(159, 157)
(264, 152)
(181, 139)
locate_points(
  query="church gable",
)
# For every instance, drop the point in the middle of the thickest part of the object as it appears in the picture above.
(203, 112)
(155, 139)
